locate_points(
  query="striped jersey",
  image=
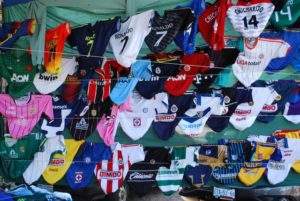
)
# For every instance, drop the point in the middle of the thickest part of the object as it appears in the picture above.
(163, 30)
(111, 173)
(22, 118)
(250, 18)
(256, 56)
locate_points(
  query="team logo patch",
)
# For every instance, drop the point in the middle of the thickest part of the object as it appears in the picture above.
(152, 161)
(137, 122)
(226, 99)
(82, 125)
(87, 160)
(120, 162)
(187, 67)
(208, 152)
(157, 70)
(78, 177)
(278, 98)
(145, 110)
(174, 108)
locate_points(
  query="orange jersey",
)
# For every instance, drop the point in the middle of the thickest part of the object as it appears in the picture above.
(54, 47)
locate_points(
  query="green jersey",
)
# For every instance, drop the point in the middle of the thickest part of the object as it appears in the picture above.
(287, 16)
(16, 155)
(18, 72)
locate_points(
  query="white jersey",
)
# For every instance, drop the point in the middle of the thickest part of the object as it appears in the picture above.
(246, 113)
(136, 123)
(111, 173)
(127, 42)
(250, 19)
(193, 120)
(42, 158)
(251, 63)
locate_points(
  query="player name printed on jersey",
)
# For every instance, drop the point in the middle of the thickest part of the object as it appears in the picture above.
(256, 56)
(127, 42)
(250, 18)
(163, 30)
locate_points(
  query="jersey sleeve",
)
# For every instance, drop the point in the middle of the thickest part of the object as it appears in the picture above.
(48, 107)
(282, 49)
(3, 100)
(244, 95)
(135, 153)
(72, 37)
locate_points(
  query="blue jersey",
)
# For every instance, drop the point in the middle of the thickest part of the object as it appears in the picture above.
(91, 41)
(285, 89)
(82, 168)
(232, 98)
(125, 85)
(186, 40)
(161, 71)
(198, 176)
(165, 123)
(292, 38)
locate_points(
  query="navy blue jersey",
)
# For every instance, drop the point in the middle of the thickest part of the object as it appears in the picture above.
(165, 123)
(186, 40)
(142, 175)
(292, 38)
(161, 71)
(198, 176)
(82, 168)
(232, 98)
(285, 89)
(91, 41)
(63, 114)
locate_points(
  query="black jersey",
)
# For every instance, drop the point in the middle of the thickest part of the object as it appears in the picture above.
(163, 30)
(279, 4)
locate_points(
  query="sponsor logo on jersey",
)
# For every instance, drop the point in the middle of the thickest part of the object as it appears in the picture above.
(212, 16)
(57, 162)
(276, 165)
(82, 125)
(241, 119)
(246, 9)
(190, 126)
(177, 78)
(137, 122)
(19, 78)
(249, 63)
(225, 176)
(270, 108)
(140, 176)
(121, 35)
(164, 27)
(110, 175)
(78, 177)
(60, 107)
(47, 77)
(242, 112)
(165, 117)
(151, 79)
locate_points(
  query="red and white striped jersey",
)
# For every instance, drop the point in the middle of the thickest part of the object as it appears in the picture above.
(111, 173)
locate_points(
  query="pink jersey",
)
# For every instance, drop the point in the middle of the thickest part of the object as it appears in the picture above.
(111, 173)
(22, 118)
(107, 126)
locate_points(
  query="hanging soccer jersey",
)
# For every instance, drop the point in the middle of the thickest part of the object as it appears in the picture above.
(107, 126)
(251, 63)
(54, 47)
(91, 41)
(245, 113)
(60, 163)
(194, 119)
(213, 155)
(22, 118)
(42, 158)
(81, 170)
(293, 39)
(141, 176)
(10, 32)
(212, 23)
(136, 122)
(125, 85)
(163, 30)
(164, 123)
(111, 173)
(18, 72)
(103, 81)
(232, 98)
(46, 82)
(288, 15)
(16, 155)
(161, 70)
(198, 176)
(284, 89)
(292, 112)
(127, 42)
(192, 64)
(250, 18)
(186, 40)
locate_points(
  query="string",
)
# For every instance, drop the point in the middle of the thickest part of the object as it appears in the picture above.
(111, 59)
